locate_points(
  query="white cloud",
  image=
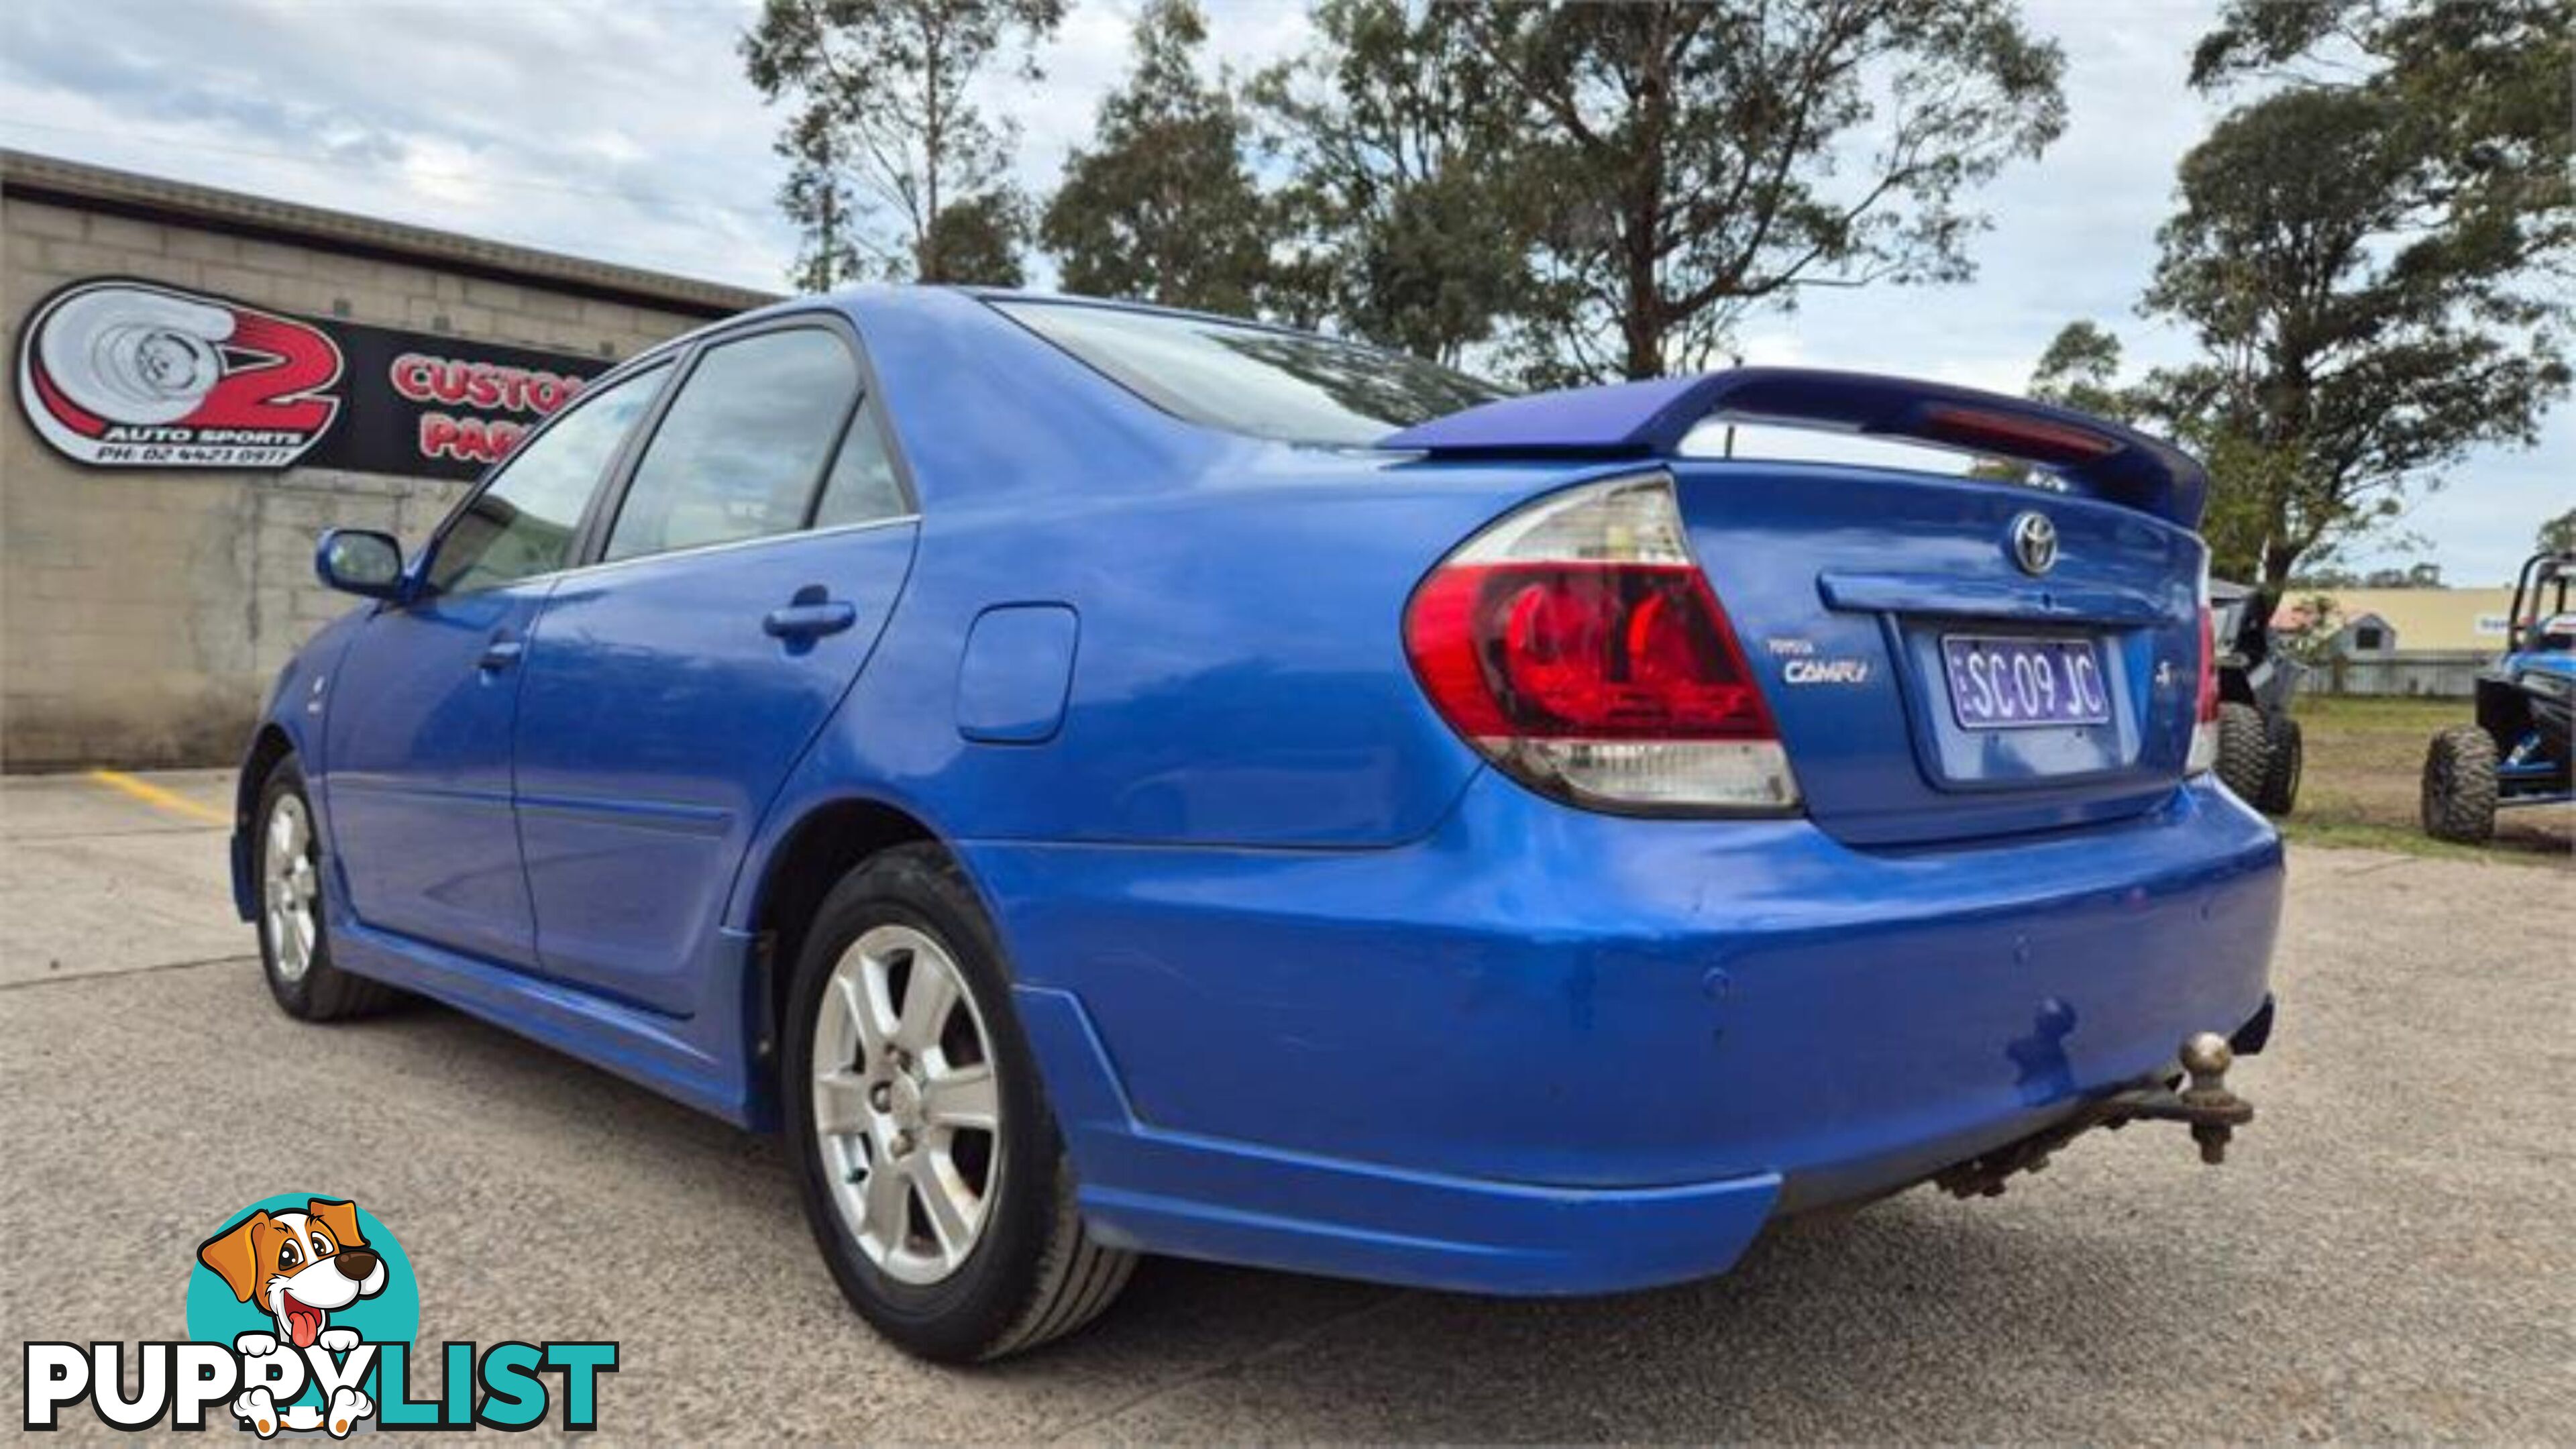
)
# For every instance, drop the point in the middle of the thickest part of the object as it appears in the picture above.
(623, 129)
(619, 131)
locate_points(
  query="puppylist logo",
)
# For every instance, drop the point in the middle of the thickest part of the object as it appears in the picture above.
(302, 1315)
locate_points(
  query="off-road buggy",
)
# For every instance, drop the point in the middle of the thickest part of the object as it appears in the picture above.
(2517, 753)
(2259, 750)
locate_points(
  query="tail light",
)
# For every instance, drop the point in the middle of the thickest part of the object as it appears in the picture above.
(1576, 644)
(2204, 728)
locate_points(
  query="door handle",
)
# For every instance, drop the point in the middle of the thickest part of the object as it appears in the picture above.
(500, 654)
(810, 620)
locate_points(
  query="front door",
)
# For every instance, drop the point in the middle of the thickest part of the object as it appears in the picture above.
(749, 567)
(417, 731)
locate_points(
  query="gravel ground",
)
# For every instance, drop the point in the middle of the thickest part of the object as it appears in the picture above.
(2390, 1252)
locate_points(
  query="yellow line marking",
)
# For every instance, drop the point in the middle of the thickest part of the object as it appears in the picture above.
(151, 794)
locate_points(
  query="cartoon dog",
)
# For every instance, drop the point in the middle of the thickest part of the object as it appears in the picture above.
(299, 1267)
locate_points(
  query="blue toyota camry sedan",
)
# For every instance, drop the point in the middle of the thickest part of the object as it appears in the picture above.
(1103, 780)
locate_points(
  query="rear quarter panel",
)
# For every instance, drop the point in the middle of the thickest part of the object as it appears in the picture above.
(1237, 671)
(1238, 674)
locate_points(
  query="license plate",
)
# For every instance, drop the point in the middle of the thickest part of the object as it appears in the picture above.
(2001, 683)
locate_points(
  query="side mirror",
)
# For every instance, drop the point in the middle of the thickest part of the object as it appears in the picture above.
(359, 561)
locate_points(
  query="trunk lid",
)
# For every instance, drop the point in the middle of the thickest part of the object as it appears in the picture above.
(1844, 584)
(1946, 657)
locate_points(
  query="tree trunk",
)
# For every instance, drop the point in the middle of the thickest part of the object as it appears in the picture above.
(2279, 558)
(1643, 327)
(934, 145)
(1643, 334)
(831, 225)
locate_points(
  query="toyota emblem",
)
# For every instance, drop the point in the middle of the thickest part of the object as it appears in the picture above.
(2034, 543)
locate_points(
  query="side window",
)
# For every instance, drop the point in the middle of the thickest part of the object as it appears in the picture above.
(523, 524)
(739, 451)
(862, 486)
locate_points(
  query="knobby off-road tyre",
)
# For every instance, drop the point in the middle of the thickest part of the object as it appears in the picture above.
(294, 938)
(2285, 756)
(2243, 753)
(868, 1089)
(2460, 786)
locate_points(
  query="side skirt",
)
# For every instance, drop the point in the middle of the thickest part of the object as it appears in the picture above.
(695, 1059)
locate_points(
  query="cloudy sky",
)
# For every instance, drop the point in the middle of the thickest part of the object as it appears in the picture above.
(623, 129)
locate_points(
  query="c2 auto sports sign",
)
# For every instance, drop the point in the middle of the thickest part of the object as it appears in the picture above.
(119, 373)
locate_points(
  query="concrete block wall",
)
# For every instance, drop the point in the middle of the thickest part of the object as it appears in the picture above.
(144, 613)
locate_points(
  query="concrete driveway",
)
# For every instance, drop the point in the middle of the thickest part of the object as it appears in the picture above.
(2390, 1252)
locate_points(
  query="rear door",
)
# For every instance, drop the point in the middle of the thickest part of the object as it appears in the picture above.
(417, 736)
(1934, 680)
(738, 586)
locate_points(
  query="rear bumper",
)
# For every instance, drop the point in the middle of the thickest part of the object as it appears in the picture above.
(1238, 1202)
(1542, 1051)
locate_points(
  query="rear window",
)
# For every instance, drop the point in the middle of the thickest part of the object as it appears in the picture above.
(1293, 386)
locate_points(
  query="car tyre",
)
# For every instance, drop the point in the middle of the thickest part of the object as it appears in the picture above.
(1031, 1271)
(2285, 756)
(294, 934)
(2460, 786)
(2243, 755)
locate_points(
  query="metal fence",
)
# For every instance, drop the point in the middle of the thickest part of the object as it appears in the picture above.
(2432, 675)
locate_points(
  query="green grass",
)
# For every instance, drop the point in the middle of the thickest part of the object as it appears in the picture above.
(2406, 840)
(2355, 714)
(2365, 761)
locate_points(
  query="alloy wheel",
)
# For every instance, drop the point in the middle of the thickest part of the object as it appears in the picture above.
(290, 884)
(905, 1104)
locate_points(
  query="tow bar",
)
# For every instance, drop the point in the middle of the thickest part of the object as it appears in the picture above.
(2203, 1101)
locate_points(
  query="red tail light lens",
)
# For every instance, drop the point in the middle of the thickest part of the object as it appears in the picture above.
(2207, 709)
(1577, 644)
(1582, 651)
(2204, 717)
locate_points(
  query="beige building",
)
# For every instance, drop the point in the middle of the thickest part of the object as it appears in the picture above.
(2371, 622)
(202, 381)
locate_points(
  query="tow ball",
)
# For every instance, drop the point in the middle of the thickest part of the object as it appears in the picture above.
(2203, 1101)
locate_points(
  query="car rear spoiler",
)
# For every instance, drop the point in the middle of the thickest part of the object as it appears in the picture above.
(2094, 456)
